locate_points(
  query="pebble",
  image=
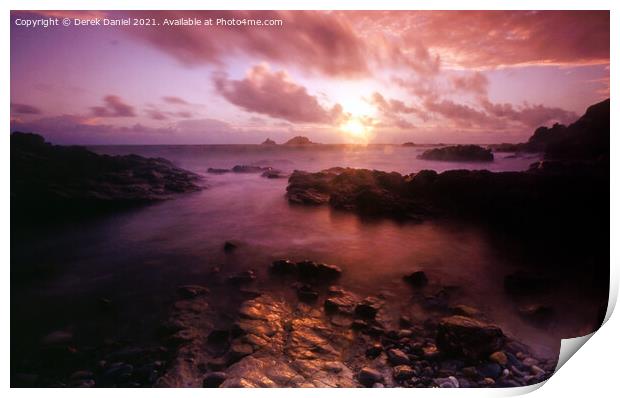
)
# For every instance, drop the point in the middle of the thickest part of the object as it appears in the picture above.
(397, 357)
(499, 357)
(447, 382)
(368, 377)
(402, 372)
(491, 370)
(213, 379)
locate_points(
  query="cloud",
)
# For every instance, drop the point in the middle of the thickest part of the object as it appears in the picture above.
(84, 130)
(175, 100)
(391, 109)
(274, 94)
(156, 114)
(315, 41)
(24, 109)
(114, 107)
(475, 83)
(530, 115)
(490, 39)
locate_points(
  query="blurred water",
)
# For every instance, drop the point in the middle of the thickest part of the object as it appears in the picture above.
(138, 257)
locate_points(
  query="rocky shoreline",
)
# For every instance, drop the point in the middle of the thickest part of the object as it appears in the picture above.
(300, 328)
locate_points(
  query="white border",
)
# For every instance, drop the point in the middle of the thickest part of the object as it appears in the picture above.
(595, 369)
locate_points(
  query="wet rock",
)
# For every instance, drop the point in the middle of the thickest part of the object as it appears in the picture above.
(468, 337)
(283, 267)
(306, 294)
(374, 351)
(217, 171)
(65, 181)
(229, 246)
(459, 153)
(430, 351)
(499, 357)
(368, 377)
(213, 379)
(416, 279)
(273, 174)
(491, 370)
(471, 372)
(249, 169)
(243, 277)
(447, 382)
(239, 350)
(318, 271)
(367, 309)
(465, 310)
(402, 372)
(397, 357)
(191, 291)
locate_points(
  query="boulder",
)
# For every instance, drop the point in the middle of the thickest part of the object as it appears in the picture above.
(368, 377)
(318, 271)
(467, 337)
(416, 279)
(459, 153)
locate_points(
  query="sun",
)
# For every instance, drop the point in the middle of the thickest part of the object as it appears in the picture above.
(354, 127)
(357, 129)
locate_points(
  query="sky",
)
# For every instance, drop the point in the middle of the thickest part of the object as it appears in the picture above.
(332, 76)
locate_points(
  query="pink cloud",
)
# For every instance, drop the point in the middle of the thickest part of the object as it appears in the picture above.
(316, 41)
(274, 94)
(175, 100)
(24, 109)
(113, 107)
(475, 83)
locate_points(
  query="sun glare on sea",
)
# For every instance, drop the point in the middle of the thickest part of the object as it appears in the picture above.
(356, 130)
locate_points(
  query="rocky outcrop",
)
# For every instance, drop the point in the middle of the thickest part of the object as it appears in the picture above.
(469, 337)
(61, 180)
(299, 140)
(459, 153)
(268, 141)
(587, 138)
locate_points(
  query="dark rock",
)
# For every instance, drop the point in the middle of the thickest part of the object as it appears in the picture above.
(491, 370)
(229, 246)
(299, 140)
(191, 291)
(468, 337)
(213, 379)
(368, 377)
(218, 171)
(283, 267)
(459, 153)
(268, 141)
(374, 351)
(58, 181)
(366, 310)
(416, 279)
(272, 174)
(249, 169)
(397, 357)
(306, 294)
(465, 310)
(402, 372)
(243, 277)
(317, 271)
